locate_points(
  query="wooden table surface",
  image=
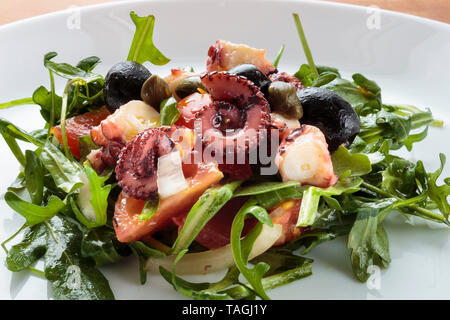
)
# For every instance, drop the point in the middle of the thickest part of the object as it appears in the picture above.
(12, 10)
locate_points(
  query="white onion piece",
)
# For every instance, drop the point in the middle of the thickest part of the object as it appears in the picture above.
(215, 259)
(84, 199)
(170, 175)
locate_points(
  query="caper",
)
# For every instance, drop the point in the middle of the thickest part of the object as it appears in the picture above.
(188, 86)
(283, 98)
(155, 90)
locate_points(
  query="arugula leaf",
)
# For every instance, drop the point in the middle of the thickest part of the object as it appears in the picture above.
(305, 46)
(142, 48)
(86, 145)
(17, 102)
(102, 246)
(34, 177)
(280, 260)
(24, 254)
(17, 133)
(72, 276)
(145, 251)
(439, 194)
(363, 101)
(64, 70)
(279, 55)
(368, 243)
(99, 193)
(270, 199)
(34, 214)
(169, 111)
(65, 173)
(141, 262)
(241, 250)
(150, 208)
(349, 167)
(14, 147)
(305, 75)
(350, 164)
(49, 103)
(399, 178)
(88, 64)
(239, 292)
(310, 240)
(263, 187)
(211, 201)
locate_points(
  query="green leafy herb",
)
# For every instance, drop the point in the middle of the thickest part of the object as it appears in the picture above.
(142, 48)
(368, 243)
(150, 208)
(211, 201)
(440, 194)
(263, 187)
(65, 173)
(305, 46)
(34, 177)
(99, 193)
(58, 241)
(349, 167)
(17, 133)
(86, 145)
(169, 112)
(241, 250)
(279, 55)
(24, 254)
(33, 213)
(49, 102)
(102, 246)
(17, 102)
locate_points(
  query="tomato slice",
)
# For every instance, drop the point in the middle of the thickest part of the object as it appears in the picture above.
(286, 214)
(216, 233)
(126, 220)
(189, 107)
(79, 126)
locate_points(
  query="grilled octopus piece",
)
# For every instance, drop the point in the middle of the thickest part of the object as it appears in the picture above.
(238, 115)
(136, 169)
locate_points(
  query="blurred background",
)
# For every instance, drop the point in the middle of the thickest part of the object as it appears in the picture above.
(13, 10)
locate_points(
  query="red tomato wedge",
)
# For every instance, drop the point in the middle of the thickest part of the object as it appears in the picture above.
(126, 220)
(79, 126)
(216, 233)
(286, 214)
(189, 107)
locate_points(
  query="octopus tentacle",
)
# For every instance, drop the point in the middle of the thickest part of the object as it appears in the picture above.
(238, 114)
(137, 165)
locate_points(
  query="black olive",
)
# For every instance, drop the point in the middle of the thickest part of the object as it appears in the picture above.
(332, 114)
(253, 74)
(123, 83)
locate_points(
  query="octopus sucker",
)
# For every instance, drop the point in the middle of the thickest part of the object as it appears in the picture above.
(238, 115)
(137, 164)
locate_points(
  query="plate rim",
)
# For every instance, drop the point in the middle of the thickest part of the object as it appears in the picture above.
(106, 5)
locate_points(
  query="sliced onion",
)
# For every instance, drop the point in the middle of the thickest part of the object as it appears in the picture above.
(216, 259)
(84, 199)
(171, 179)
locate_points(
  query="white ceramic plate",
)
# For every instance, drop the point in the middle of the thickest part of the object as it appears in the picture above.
(407, 56)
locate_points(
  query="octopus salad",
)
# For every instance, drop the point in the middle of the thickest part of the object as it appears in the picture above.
(240, 167)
